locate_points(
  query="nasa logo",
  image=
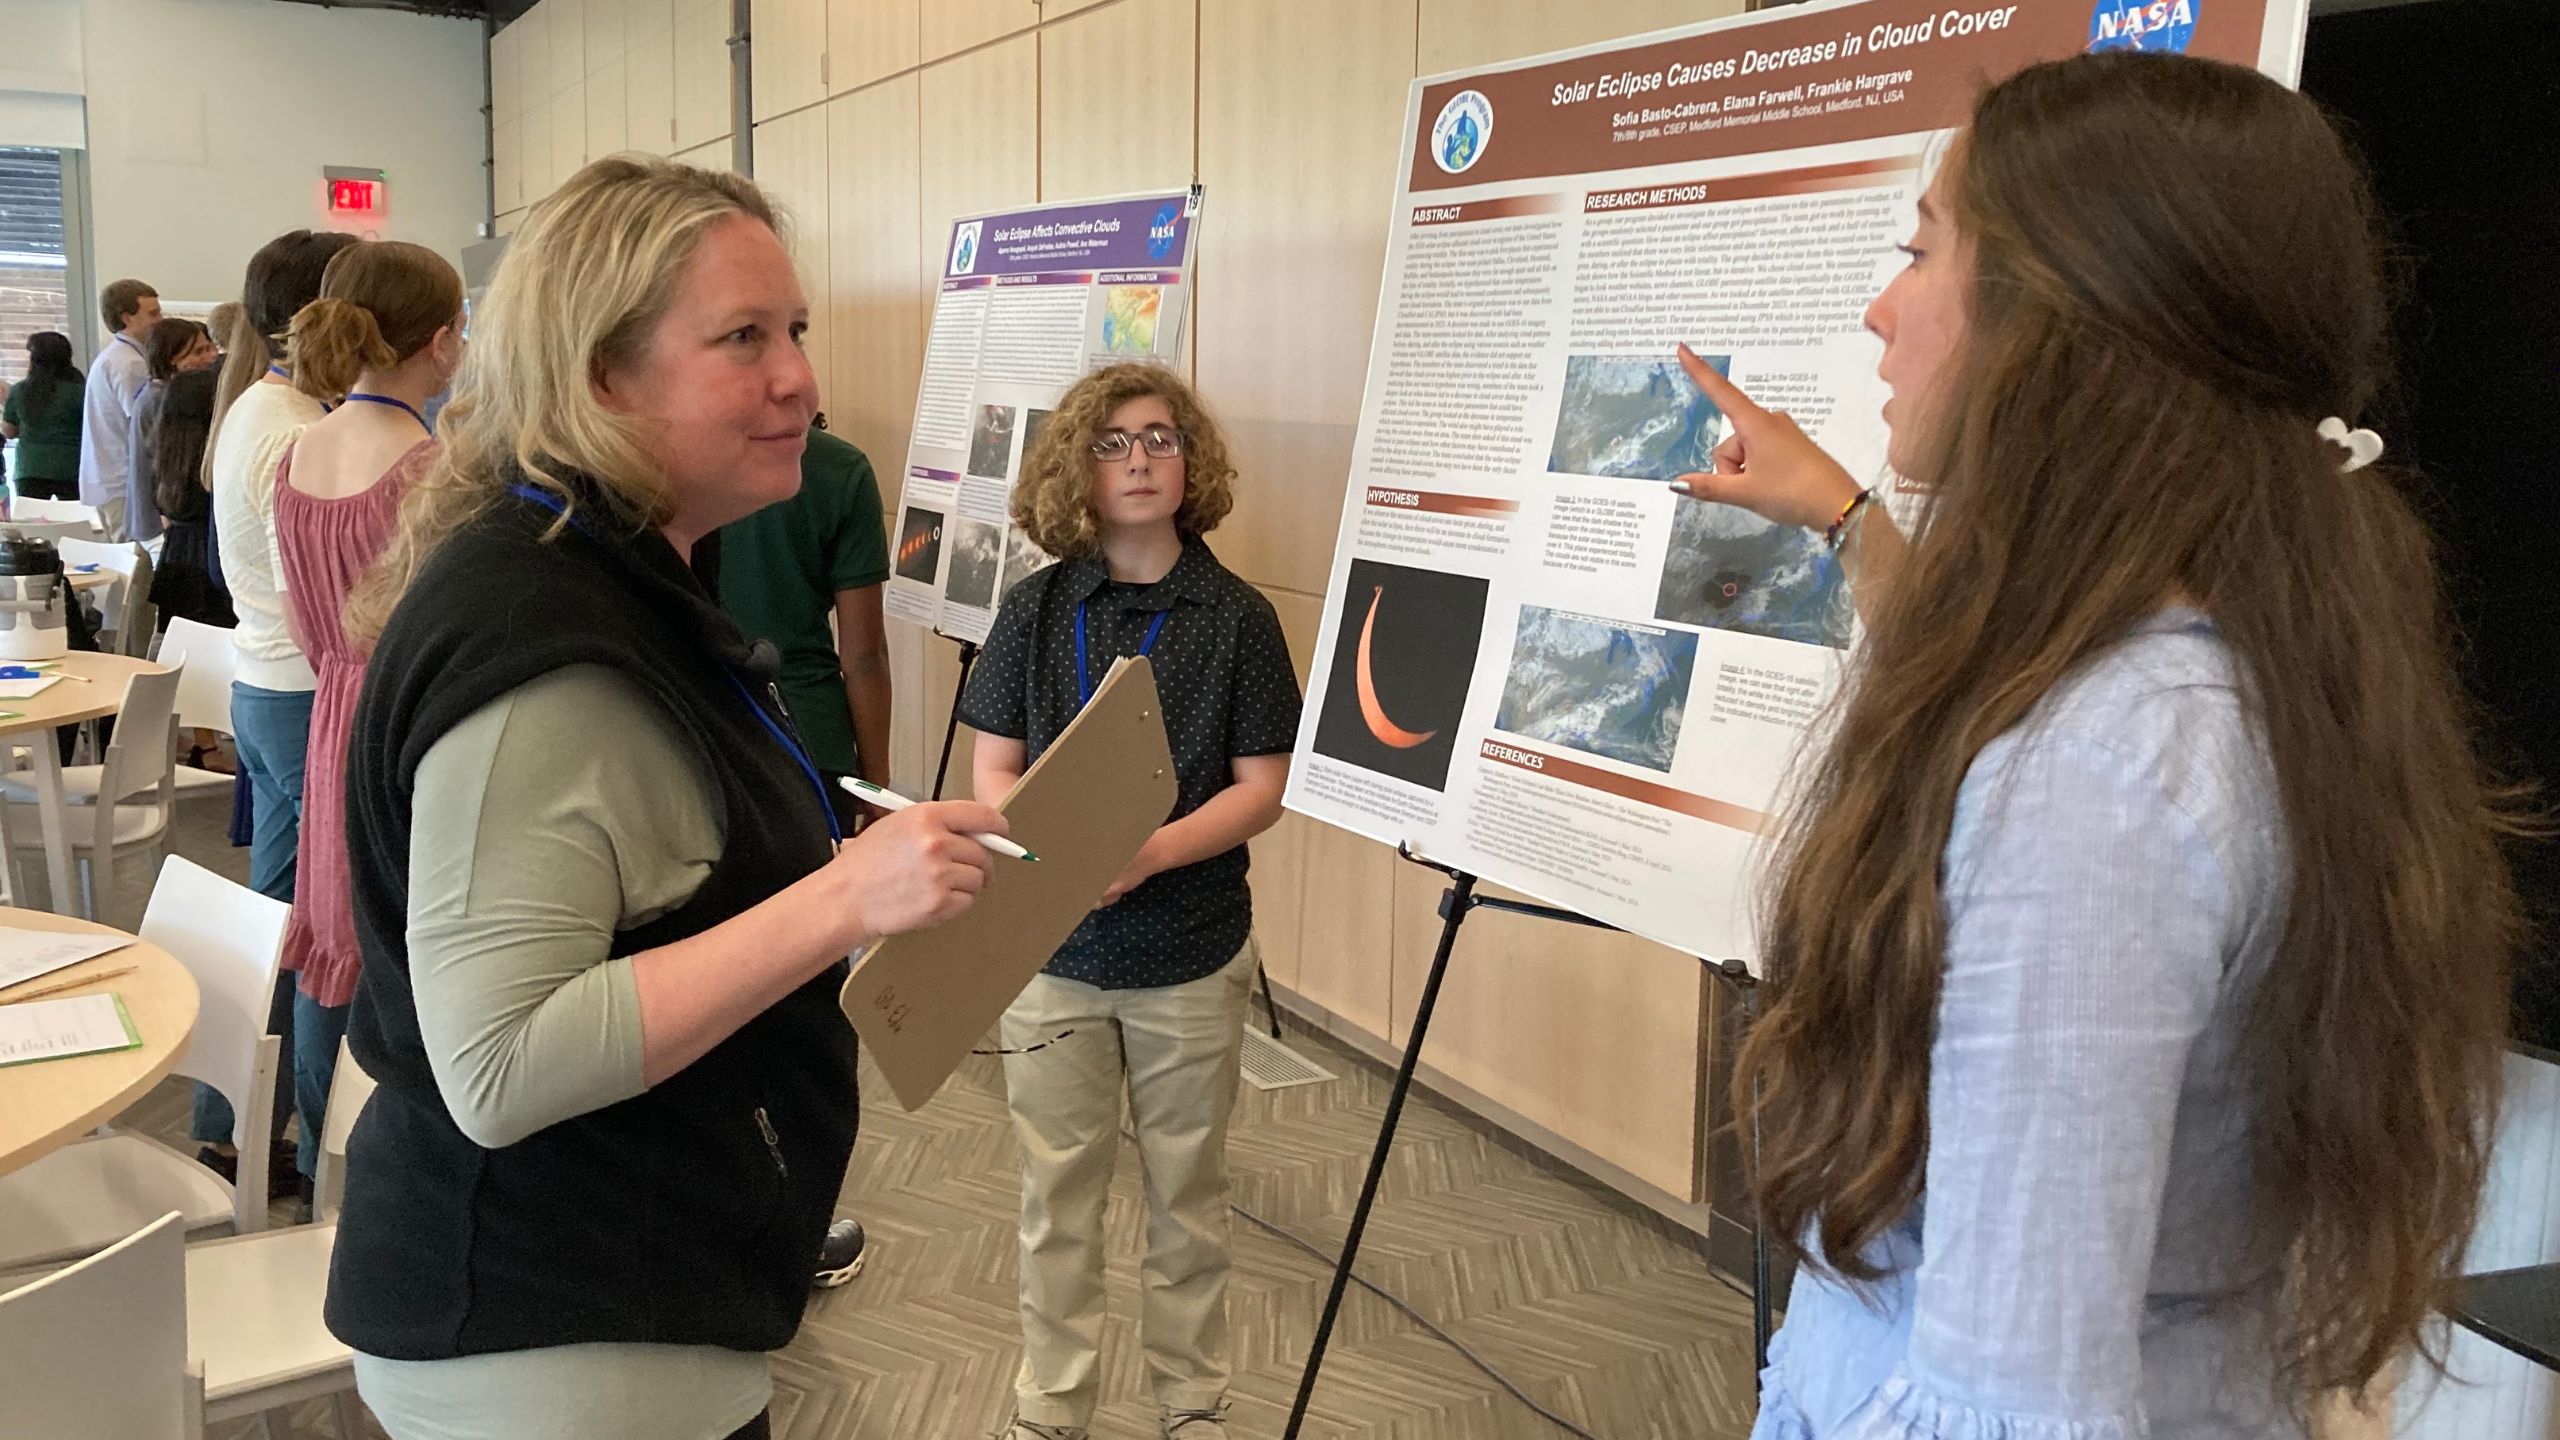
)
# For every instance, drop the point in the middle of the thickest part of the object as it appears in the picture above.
(964, 249)
(2155, 26)
(1160, 232)
(1464, 128)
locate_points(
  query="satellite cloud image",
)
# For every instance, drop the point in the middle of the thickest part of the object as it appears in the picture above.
(1599, 686)
(1728, 569)
(1635, 417)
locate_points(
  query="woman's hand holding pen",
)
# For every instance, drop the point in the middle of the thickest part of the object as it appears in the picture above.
(917, 867)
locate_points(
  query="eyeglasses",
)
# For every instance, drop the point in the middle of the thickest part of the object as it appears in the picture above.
(1160, 443)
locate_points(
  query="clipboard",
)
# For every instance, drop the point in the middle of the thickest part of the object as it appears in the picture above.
(921, 1000)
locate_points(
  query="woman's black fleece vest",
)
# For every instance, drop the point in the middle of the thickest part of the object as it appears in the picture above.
(688, 1215)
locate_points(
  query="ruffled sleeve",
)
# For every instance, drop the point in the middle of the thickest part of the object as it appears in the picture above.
(1902, 1410)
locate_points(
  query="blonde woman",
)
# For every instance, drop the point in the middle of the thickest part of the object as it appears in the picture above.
(601, 902)
(1148, 995)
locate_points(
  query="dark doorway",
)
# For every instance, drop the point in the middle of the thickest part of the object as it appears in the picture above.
(2452, 103)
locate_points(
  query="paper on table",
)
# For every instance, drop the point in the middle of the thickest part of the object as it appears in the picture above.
(59, 1029)
(26, 954)
(26, 689)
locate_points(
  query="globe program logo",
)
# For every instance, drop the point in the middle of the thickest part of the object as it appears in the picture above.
(1464, 128)
(2155, 26)
(1160, 231)
(964, 249)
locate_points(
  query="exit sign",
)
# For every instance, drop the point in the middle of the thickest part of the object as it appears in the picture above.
(354, 190)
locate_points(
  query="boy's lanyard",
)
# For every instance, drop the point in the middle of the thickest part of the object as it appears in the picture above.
(826, 807)
(1084, 677)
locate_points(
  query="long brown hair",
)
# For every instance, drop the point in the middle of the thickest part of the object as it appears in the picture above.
(381, 301)
(2176, 276)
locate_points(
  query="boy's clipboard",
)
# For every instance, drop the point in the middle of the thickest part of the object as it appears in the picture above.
(921, 1000)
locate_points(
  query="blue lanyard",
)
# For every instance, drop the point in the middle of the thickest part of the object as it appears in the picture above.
(285, 375)
(1084, 676)
(396, 402)
(826, 806)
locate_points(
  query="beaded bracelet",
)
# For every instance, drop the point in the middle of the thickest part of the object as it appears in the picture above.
(1831, 535)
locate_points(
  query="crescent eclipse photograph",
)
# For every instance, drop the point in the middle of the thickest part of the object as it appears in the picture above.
(1404, 650)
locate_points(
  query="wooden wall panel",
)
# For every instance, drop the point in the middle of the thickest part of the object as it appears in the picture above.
(508, 222)
(1346, 929)
(791, 165)
(702, 73)
(538, 157)
(649, 94)
(1280, 853)
(608, 109)
(870, 39)
(1459, 33)
(506, 165)
(1592, 1035)
(533, 57)
(951, 26)
(1058, 9)
(1293, 238)
(506, 76)
(607, 32)
(876, 308)
(646, 19)
(790, 51)
(712, 156)
(568, 26)
(979, 142)
(1114, 115)
(568, 132)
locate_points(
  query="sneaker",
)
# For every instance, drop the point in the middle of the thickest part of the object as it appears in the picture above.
(1209, 1424)
(1020, 1429)
(840, 1254)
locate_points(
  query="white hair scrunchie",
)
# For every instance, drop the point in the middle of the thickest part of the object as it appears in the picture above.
(2363, 447)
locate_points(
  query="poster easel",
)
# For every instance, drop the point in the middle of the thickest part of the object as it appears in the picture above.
(1455, 904)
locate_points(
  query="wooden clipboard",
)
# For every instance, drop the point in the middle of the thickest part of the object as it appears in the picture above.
(921, 1000)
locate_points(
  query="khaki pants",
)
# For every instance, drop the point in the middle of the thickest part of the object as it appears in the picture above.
(1174, 1049)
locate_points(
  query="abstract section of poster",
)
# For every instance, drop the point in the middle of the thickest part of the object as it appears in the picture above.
(1030, 300)
(1538, 662)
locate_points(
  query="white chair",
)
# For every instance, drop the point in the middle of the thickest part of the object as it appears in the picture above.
(349, 1088)
(57, 512)
(254, 1301)
(203, 701)
(140, 774)
(56, 531)
(99, 1350)
(211, 658)
(87, 1195)
(124, 607)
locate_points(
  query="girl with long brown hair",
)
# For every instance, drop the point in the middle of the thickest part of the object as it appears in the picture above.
(2138, 945)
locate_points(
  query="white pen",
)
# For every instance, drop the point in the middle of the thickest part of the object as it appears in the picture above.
(892, 800)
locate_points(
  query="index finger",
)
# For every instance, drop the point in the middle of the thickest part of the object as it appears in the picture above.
(970, 817)
(1725, 395)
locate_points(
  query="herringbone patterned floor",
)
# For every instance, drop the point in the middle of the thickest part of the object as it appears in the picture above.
(1602, 1312)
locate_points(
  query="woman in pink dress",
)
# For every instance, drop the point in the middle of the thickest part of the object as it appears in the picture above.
(384, 336)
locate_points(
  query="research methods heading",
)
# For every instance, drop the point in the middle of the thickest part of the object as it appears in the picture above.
(1949, 25)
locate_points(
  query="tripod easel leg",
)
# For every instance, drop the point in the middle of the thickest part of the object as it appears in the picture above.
(951, 731)
(1460, 899)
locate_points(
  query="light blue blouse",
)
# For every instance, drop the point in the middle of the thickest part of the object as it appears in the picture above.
(2114, 888)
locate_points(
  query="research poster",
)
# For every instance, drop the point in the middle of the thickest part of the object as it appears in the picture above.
(1030, 300)
(1536, 663)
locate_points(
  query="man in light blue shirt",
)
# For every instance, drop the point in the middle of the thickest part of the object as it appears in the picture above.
(116, 381)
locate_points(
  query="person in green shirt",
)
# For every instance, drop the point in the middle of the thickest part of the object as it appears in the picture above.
(785, 571)
(42, 414)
